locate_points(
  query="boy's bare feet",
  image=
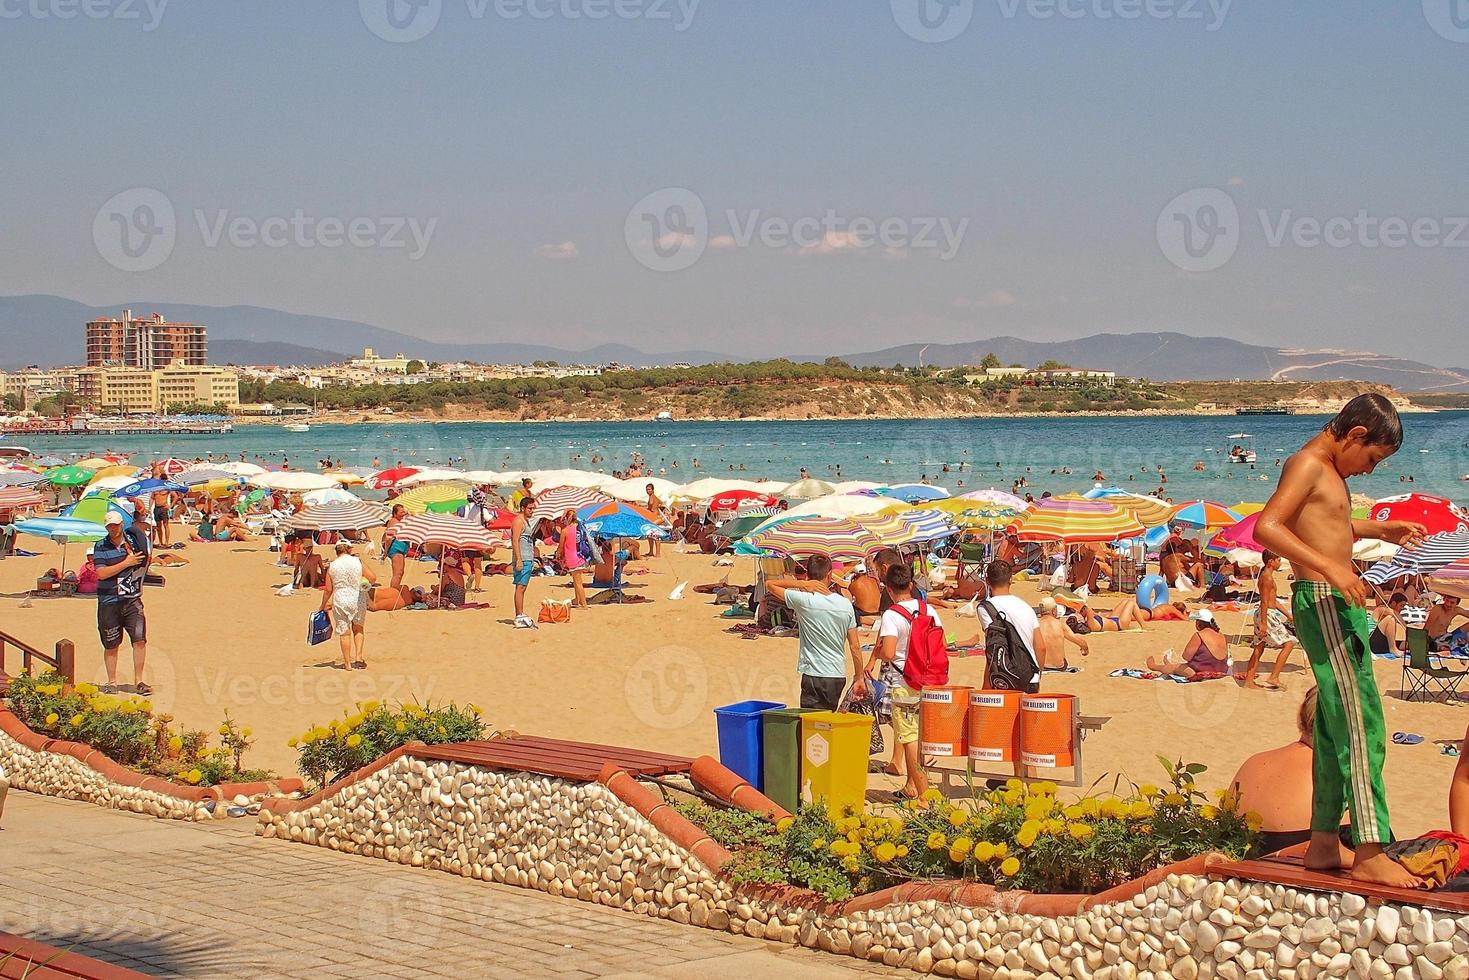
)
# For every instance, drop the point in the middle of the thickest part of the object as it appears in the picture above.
(1373, 865)
(1324, 853)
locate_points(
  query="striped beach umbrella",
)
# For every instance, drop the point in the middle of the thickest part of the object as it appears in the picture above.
(445, 530)
(1440, 516)
(434, 497)
(1436, 552)
(195, 475)
(913, 493)
(21, 478)
(1076, 521)
(14, 498)
(1452, 579)
(354, 516)
(924, 525)
(1149, 511)
(996, 499)
(1204, 514)
(558, 500)
(838, 538)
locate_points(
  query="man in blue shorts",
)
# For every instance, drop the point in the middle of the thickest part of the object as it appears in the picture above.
(523, 556)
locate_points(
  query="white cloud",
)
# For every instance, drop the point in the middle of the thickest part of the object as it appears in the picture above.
(560, 250)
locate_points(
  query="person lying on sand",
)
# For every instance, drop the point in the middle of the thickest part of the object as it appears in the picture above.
(1120, 620)
(1207, 651)
(385, 598)
(1276, 784)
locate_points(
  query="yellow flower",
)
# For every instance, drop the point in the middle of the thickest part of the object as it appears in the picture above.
(76, 720)
(1054, 826)
(1148, 790)
(224, 729)
(896, 825)
(1074, 812)
(1044, 788)
(353, 741)
(984, 852)
(400, 727)
(86, 690)
(1140, 810)
(246, 733)
(958, 818)
(1254, 821)
(1028, 832)
(885, 852)
(292, 743)
(1209, 812)
(784, 824)
(1174, 799)
(175, 744)
(902, 850)
(818, 844)
(937, 841)
(1090, 807)
(52, 718)
(1081, 831)
(960, 848)
(1002, 850)
(1013, 797)
(1113, 809)
(1010, 867)
(850, 865)
(145, 706)
(473, 708)
(371, 706)
(1014, 782)
(932, 795)
(193, 776)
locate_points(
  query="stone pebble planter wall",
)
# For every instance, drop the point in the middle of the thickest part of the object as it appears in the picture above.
(74, 771)
(615, 842)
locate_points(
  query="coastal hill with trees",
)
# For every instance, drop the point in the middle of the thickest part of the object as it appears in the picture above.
(788, 390)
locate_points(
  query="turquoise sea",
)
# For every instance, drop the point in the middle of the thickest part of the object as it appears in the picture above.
(995, 452)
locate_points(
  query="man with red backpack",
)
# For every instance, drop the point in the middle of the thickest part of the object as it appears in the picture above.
(914, 655)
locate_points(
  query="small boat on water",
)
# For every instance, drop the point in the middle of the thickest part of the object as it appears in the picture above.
(296, 427)
(1241, 449)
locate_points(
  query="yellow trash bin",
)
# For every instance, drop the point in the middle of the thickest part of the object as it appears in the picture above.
(834, 759)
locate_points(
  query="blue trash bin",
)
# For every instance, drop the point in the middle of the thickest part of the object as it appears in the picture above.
(741, 736)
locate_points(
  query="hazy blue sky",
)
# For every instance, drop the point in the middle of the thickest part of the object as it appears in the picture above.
(1053, 137)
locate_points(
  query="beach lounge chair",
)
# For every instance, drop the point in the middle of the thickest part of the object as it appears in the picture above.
(970, 561)
(1423, 674)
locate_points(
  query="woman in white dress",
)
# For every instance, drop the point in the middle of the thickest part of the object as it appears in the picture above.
(347, 584)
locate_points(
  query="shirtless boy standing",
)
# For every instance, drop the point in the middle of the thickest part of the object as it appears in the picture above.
(1308, 521)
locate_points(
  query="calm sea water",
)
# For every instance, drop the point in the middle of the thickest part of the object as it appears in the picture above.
(995, 452)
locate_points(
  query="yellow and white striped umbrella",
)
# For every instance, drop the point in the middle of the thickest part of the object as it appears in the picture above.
(1076, 521)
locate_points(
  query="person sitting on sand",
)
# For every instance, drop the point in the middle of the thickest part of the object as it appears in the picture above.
(310, 571)
(1178, 557)
(1276, 784)
(1086, 569)
(1441, 621)
(1390, 635)
(452, 585)
(1051, 636)
(1207, 651)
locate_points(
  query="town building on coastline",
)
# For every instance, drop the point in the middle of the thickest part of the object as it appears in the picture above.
(147, 343)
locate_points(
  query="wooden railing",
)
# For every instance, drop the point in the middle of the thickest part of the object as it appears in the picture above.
(63, 661)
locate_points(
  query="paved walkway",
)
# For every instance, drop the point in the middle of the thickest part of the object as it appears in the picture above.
(213, 900)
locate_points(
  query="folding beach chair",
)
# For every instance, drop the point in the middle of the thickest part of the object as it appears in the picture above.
(969, 569)
(1423, 674)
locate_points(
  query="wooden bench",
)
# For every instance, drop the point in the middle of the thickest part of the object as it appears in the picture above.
(33, 960)
(581, 761)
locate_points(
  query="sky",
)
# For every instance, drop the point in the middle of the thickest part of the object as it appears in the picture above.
(751, 177)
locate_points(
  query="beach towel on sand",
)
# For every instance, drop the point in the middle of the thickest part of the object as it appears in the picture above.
(1149, 675)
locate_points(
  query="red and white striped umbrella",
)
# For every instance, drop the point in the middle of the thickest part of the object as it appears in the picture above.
(171, 466)
(558, 500)
(389, 478)
(446, 530)
(17, 497)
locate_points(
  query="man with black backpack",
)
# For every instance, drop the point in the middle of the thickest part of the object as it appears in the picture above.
(914, 655)
(1010, 626)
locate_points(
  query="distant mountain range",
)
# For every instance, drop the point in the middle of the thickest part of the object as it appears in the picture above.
(47, 330)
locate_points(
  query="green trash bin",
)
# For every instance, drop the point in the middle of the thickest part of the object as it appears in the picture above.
(782, 755)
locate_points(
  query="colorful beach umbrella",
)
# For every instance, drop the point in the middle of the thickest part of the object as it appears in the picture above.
(98, 462)
(430, 475)
(733, 500)
(913, 493)
(239, 468)
(1452, 579)
(439, 497)
(807, 489)
(840, 539)
(390, 478)
(357, 515)
(172, 466)
(62, 529)
(1239, 535)
(140, 487)
(1426, 558)
(1439, 515)
(924, 525)
(558, 500)
(50, 461)
(15, 498)
(331, 495)
(1246, 508)
(70, 476)
(196, 475)
(1076, 521)
(1202, 514)
(293, 480)
(619, 519)
(21, 478)
(444, 530)
(997, 498)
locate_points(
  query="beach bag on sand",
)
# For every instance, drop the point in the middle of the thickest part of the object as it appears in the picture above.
(865, 706)
(1009, 664)
(928, 650)
(320, 628)
(555, 611)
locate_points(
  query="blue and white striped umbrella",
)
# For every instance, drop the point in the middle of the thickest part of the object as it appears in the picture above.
(1424, 559)
(928, 525)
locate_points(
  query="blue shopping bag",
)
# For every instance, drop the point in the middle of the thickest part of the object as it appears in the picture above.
(320, 629)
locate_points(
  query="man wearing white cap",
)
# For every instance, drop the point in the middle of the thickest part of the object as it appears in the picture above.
(121, 559)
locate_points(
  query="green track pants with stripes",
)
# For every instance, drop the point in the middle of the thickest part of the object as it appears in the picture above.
(1349, 739)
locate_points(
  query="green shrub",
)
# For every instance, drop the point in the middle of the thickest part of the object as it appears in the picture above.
(329, 752)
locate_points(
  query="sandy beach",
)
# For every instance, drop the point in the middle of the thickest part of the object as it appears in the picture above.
(646, 675)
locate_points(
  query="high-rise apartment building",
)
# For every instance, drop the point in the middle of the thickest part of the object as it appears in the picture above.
(145, 343)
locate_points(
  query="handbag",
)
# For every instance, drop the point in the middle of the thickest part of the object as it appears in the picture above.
(866, 706)
(555, 611)
(319, 630)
